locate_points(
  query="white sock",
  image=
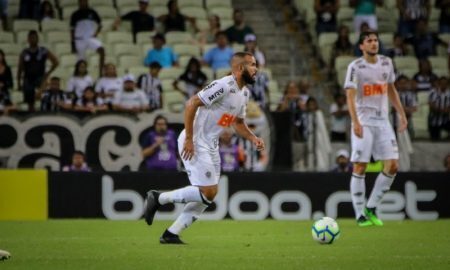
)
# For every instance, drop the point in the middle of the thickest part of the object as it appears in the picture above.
(190, 213)
(182, 195)
(382, 185)
(358, 192)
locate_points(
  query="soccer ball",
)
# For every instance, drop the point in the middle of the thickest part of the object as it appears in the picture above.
(325, 230)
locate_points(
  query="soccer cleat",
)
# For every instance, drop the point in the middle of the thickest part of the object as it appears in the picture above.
(370, 214)
(363, 222)
(152, 206)
(4, 255)
(170, 238)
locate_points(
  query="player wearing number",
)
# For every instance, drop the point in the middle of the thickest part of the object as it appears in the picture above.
(370, 86)
(219, 105)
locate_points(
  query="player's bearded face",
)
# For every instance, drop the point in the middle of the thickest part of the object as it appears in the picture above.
(248, 78)
(370, 45)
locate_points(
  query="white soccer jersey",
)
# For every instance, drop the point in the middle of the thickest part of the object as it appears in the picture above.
(224, 101)
(371, 84)
(109, 86)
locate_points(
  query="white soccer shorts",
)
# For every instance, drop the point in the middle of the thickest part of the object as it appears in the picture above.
(82, 45)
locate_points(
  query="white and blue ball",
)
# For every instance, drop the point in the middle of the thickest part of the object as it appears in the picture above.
(325, 230)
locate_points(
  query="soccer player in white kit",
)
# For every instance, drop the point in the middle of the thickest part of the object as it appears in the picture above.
(219, 105)
(370, 86)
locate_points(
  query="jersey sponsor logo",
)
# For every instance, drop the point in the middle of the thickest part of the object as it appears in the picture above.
(384, 63)
(374, 89)
(217, 94)
(362, 66)
(209, 86)
(226, 120)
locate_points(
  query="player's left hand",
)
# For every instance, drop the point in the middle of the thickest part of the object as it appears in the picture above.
(259, 143)
(403, 123)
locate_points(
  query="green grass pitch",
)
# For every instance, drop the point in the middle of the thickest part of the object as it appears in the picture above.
(269, 244)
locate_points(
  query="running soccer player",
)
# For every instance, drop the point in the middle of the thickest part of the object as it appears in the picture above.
(369, 85)
(219, 105)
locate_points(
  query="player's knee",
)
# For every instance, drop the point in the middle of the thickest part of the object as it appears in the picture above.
(392, 168)
(209, 193)
(359, 168)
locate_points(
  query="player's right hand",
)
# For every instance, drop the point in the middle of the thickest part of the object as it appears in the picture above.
(188, 150)
(358, 130)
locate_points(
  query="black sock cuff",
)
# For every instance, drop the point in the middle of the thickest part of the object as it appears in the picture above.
(204, 200)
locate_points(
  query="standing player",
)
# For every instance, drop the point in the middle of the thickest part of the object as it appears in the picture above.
(219, 105)
(369, 84)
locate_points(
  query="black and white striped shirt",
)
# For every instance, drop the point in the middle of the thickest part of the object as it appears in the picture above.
(440, 99)
(152, 88)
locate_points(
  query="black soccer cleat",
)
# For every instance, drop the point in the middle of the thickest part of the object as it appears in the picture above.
(152, 206)
(170, 238)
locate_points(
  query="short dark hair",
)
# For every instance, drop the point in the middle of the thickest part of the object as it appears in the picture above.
(242, 54)
(159, 117)
(55, 78)
(78, 152)
(221, 33)
(32, 32)
(365, 34)
(155, 64)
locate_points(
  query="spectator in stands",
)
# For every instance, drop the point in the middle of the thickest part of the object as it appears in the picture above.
(239, 29)
(357, 51)
(251, 47)
(6, 106)
(152, 86)
(208, 35)
(447, 163)
(130, 100)
(32, 66)
(254, 161)
(294, 103)
(159, 149)
(54, 99)
(29, 9)
(444, 19)
(408, 98)
(260, 89)
(108, 85)
(80, 80)
(174, 20)
(399, 49)
(86, 24)
(193, 78)
(342, 46)
(340, 118)
(326, 11)
(164, 55)
(6, 80)
(439, 116)
(141, 20)
(365, 12)
(232, 155)
(411, 11)
(343, 163)
(89, 102)
(424, 41)
(219, 56)
(78, 163)
(425, 78)
(46, 11)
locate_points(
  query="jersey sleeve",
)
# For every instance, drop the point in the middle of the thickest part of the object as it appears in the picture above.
(243, 111)
(212, 93)
(391, 77)
(351, 81)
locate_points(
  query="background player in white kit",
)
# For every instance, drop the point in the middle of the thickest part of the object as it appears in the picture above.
(219, 105)
(370, 86)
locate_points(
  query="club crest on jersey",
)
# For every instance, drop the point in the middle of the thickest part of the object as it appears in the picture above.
(385, 75)
(232, 90)
(217, 94)
(208, 174)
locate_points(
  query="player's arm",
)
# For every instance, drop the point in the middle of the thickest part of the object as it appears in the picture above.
(351, 104)
(192, 106)
(395, 101)
(242, 130)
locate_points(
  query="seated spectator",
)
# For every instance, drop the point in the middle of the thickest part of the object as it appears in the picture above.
(54, 99)
(89, 102)
(365, 13)
(251, 47)
(194, 79)
(80, 80)
(411, 11)
(174, 20)
(6, 106)
(425, 78)
(260, 89)
(108, 85)
(293, 102)
(78, 163)
(164, 55)
(239, 29)
(424, 41)
(408, 98)
(141, 20)
(357, 51)
(152, 87)
(86, 25)
(439, 116)
(219, 56)
(209, 35)
(399, 49)
(47, 12)
(340, 118)
(343, 163)
(130, 100)
(232, 156)
(342, 46)
(326, 11)
(160, 147)
(6, 79)
(32, 68)
(444, 19)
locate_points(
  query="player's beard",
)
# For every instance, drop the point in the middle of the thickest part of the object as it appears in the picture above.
(248, 79)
